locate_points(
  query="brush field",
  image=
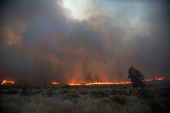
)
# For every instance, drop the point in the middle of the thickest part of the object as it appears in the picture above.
(154, 98)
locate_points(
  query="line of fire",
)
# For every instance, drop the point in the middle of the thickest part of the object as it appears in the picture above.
(8, 82)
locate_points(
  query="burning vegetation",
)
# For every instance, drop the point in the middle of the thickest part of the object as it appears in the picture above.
(105, 83)
(95, 83)
(161, 78)
(7, 82)
(74, 84)
(54, 82)
(100, 83)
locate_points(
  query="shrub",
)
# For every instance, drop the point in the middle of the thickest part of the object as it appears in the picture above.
(25, 93)
(50, 93)
(12, 91)
(64, 92)
(146, 94)
(113, 92)
(71, 96)
(121, 92)
(37, 87)
(39, 91)
(130, 91)
(164, 92)
(99, 94)
(66, 86)
(24, 88)
(2, 92)
(120, 99)
(156, 107)
(54, 88)
(84, 92)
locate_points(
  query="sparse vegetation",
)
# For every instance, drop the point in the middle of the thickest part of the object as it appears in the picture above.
(84, 99)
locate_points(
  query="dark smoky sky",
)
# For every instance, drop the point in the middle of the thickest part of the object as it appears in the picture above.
(76, 40)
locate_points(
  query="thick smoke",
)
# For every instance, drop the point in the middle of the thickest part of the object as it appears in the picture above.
(39, 43)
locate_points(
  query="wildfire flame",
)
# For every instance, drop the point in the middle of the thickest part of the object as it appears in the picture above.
(98, 83)
(148, 80)
(55, 82)
(73, 84)
(94, 83)
(7, 82)
(159, 78)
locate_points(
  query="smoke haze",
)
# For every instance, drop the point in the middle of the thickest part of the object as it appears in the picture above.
(74, 41)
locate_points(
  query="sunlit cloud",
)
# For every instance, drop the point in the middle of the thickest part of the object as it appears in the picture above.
(80, 9)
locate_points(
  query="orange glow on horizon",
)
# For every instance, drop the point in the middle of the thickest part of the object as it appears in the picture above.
(7, 82)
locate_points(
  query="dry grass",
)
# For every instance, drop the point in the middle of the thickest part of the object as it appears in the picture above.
(84, 99)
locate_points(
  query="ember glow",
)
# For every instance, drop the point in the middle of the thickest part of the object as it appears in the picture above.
(7, 82)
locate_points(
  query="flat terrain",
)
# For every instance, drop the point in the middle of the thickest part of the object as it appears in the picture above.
(154, 98)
